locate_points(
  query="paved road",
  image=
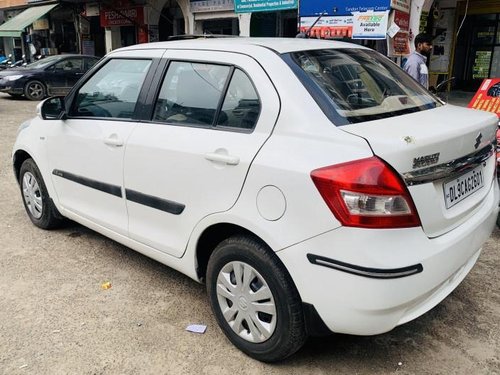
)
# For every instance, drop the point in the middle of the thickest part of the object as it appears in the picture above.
(56, 319)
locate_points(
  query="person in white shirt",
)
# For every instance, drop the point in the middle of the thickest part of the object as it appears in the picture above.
(416, 64)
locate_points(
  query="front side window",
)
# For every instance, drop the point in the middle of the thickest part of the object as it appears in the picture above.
(358, 84)
(112, 91)
(190, 93)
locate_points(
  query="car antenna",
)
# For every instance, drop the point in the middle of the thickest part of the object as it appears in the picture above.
(308, 32)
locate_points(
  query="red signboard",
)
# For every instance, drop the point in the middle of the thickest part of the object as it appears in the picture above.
(400, 44)
(487, 98)
(122, 17)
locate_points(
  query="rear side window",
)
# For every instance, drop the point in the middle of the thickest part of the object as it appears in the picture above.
(112, 91)
(199, 94)
(241, 106)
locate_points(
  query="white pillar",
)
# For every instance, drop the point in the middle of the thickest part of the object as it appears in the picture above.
(417, 6)
(244, 20)
(112, 38)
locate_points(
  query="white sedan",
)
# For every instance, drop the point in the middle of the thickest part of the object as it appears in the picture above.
(312, 185)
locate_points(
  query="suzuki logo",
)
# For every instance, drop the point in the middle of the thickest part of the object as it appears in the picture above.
(478, 140)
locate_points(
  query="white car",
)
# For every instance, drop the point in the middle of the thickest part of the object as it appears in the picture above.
(312, 185)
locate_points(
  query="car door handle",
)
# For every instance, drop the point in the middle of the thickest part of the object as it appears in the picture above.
(113, 140)
(222, 158)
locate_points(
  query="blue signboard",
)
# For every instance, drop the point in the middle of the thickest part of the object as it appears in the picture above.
(250, 6)
(341, 7)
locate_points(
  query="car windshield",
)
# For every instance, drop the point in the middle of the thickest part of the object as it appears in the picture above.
(40, 64)
(354, 85)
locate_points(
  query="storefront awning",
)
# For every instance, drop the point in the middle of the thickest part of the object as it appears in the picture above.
(15, 26)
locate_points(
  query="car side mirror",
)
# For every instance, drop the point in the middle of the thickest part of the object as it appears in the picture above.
(52, 109)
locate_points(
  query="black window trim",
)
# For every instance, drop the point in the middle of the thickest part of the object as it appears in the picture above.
(161, 72)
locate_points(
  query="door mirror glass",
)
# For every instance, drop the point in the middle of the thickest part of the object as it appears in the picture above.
(52, 108)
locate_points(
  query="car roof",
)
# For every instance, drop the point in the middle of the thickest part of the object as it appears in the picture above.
(279, 45)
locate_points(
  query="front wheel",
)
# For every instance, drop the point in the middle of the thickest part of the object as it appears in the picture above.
(34, 90)
(254, 299)
(38, 205)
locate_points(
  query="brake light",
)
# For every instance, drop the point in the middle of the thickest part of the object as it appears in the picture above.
(366, 193)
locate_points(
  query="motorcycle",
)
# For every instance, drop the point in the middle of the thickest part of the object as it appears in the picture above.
(5, 64)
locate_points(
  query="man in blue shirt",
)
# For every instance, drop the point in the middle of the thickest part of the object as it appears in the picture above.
(416, 65)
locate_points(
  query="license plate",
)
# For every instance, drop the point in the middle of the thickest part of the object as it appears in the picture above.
(463, 186)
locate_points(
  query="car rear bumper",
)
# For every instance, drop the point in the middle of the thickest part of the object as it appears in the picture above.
(380, 279)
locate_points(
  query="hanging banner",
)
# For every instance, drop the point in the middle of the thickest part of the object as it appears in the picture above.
(327, 27)
(487, 98)
(402, 5)
(370, 25)
(341, 8)
(399, 44)
(249, 6)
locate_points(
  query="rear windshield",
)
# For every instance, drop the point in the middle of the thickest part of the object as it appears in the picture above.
(356, 85)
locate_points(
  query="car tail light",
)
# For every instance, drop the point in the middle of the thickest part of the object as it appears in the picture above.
(366, 193)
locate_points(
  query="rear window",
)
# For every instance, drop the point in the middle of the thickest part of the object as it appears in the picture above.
(356, 85)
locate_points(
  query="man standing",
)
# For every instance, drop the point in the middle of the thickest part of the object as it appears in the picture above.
(416, 63)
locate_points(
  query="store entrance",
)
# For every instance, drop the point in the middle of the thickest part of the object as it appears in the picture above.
(477, 53)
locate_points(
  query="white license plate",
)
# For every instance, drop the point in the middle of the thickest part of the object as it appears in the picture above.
(463, 186)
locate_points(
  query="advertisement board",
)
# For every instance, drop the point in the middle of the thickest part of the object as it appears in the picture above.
(122, 17)
(328, 27)
(250, 6)
(370, 25)
(341, 8)
(399, 44)
(197, 6)
(402, 5)
(487, 98)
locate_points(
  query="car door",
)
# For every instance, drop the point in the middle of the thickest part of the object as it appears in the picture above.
(85, 150)
(65, 74)
(212, 114)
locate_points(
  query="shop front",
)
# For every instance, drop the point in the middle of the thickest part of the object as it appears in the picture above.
(477, 47)
(27, 32)
(124, 24)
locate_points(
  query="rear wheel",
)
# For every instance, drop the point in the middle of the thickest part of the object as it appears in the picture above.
(254, 299)
(34, 90)
(38, 205)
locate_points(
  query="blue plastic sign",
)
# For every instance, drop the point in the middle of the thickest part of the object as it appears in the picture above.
(250, 6)
(341, 8)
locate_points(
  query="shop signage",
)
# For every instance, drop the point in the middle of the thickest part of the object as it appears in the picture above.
(91, 9)
(402, 5)
(487, 98)
(341, 8)
(41, 24)
(370, 25)
(249, 6)
(122, 17)
(197, 6)
(327, 27)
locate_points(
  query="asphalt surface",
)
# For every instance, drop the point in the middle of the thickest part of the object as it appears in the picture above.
(55, 317)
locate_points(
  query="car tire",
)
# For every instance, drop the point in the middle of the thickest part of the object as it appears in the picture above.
(36, 199)
(269, 328)
(34, 90)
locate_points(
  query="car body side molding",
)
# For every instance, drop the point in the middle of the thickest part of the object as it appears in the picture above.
(98, 185)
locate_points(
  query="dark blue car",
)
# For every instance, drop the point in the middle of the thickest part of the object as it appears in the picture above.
(53, 75)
